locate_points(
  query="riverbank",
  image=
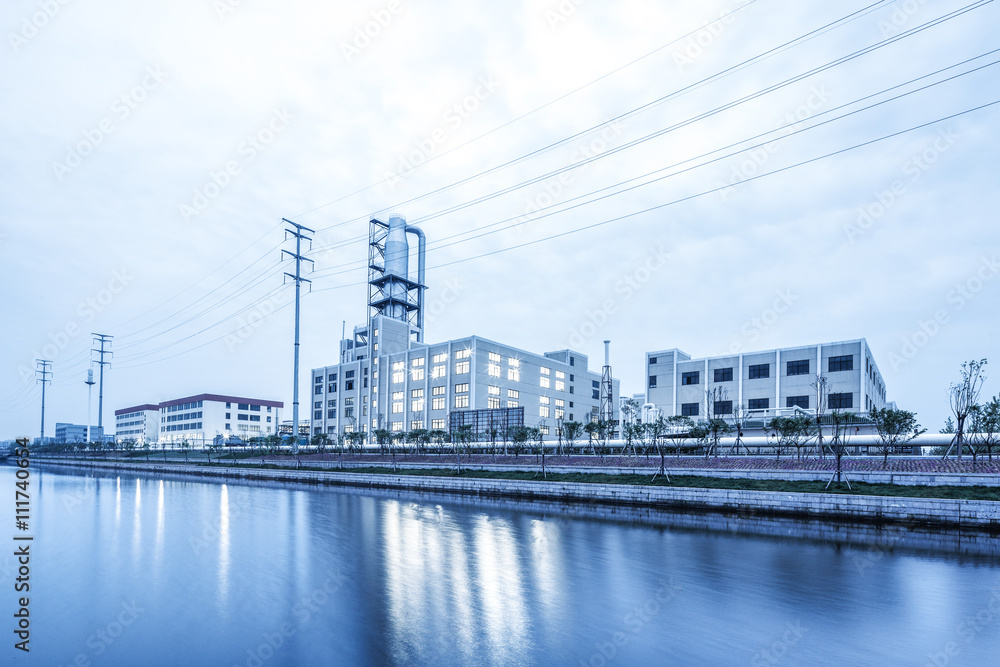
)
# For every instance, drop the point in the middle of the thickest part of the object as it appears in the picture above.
(945, 512)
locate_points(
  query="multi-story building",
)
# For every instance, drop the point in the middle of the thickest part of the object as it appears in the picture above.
(140, 423)
(766, 383)
(66, 433)
(394, 382)
(199, 419)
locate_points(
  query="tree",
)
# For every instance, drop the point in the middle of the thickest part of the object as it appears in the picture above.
(538, 435)
(630, 423)
(519, 435)
(949, 426)
(962, 396)
(740, 416)
(185, 445)
(791, 432)
(988, 425)
(145, 450)
(571, 431)
(591, 429)
(841, 422)
(822, 387)
(438, 436)
(894, 428)
(675, 423)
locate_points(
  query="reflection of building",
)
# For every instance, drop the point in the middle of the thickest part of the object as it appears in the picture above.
(199, 418)
(75, 433)
(388, 377)
(765, 383)
(140, 423)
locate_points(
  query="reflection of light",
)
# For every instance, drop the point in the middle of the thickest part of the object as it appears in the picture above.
(224, 543)
(159, 529)
(502, 597)
(137, 523)
(548, 585)
(118, 502)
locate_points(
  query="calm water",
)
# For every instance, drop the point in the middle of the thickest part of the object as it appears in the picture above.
(130, 570)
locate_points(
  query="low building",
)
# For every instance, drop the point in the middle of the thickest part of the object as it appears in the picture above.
(140, 423)
(389, 380)
(766, 384)
(69, 433)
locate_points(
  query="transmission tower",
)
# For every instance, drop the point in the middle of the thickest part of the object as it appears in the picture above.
(44, 379)
(102, 340)
(300, 233)
(607, 393)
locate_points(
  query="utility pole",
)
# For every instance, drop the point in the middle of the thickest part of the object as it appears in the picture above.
(299, 232)
(45, 373)
(90, 398)
(607, 392)
(102, 339)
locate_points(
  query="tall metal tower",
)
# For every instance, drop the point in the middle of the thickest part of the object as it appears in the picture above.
(391, 292)
(44, 379)
(102, 339)
(300, 233)
(607, 397)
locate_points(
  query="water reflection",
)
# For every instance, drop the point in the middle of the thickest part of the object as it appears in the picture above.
(223, 593)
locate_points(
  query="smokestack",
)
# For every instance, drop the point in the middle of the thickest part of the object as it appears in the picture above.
(607, 353)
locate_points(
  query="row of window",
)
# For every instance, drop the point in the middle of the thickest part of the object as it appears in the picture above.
(191, 426)
(841, 401)
(761, 371)
(184, 417)
(183, 406)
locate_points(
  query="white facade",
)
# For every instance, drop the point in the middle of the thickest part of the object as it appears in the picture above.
(200, 418)
(140, 423)
(391, 381)
(766, 383)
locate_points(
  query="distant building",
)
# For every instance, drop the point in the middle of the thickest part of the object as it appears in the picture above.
(140, 423)
(766, 383)
(69, 433)
(198, 419)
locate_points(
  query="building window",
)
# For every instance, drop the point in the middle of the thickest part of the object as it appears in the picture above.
(332, 388)
(349, 385)
(514, 374)
(760, 371)
(417, 363)
(844, 363)
(437, 391)
(229, 427)
(544, 382)
(437, 424)
(396, 427)
(416, 424)
(437, 403)
(797, 402)
(571, 389)
(759, 403)
(543, 400)
(797, 367)
(331, 414)
(227, 415)
(689, 409)
(463, 354)
(543, 411)
(595, 384)
(440, 358)
(494, 357)
(437, 371)
(462, 401)
(319, 379)
(332, 377)
(492, 402)
(461, 367)
(544, 371)
(417, 405)
(512, 404)
(493, 370)
(417, 374)
(722, 408)
(462, 388)
(493, 390)
(560, 385)
(652, 382)
(652, 360)
(349, 374)
(572, 361)
(318, 415)
(690, 378)
(560, 375)
(513, 363)
(840, 401)
(317, 405)
(543, 429)
(596, 393)
(724, 374)
(513, 393)
(318, 391)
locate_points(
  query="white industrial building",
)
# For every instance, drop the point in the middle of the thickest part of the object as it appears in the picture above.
(198, 419)
(388, 377)
(767, 384)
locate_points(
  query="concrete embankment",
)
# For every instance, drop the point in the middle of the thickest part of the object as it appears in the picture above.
(978, 514)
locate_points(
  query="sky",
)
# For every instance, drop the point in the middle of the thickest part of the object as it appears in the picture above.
(716, 176)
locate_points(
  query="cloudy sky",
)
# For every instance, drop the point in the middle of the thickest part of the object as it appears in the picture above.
(714, 176)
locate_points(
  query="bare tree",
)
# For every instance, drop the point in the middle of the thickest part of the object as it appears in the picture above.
(841, 422)
(791, 432)
(740, 416)
(963, 396)
(987, 426)
(571, 431)
(822, 387)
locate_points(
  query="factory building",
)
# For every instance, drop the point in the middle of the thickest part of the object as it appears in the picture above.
(140, 423)
(198, 419)
(767, 384)
(388, 377)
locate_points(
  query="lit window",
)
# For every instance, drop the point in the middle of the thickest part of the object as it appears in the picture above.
(416, 424)
(493, 370)
(512, 404)
(397, 395)
(417, 405)
(462, 388)
(396, 426)
(463, 354)
(417, 363)
(417, 374)
(492, 402)
(461, 368)
(440, 358)
(437, 403)
(544, 400)
(514, 374)
(543, 411)
(545, 383)
(560, 375)
(513, 393)
(494, 357)
(437, 424)
(544, 371)
(462, 401)
(560, 385)
(437, 371)
(438, 391)
(493, 390)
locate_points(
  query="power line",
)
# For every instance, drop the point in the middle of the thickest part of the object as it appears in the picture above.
(44, 379)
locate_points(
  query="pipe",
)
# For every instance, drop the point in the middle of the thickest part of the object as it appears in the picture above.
(421, 254)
